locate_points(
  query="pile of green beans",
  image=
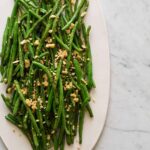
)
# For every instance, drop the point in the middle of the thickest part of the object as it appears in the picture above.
(46, 63)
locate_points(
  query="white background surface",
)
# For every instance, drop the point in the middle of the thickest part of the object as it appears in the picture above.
(128, 122)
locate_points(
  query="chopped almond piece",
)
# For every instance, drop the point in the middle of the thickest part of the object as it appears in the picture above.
(83, 46)
(45, 77)
(27, 63)
(45, 83)
(73, 95)
(24, 42)
(28, 102)
(72, 2)
(53, 16)
(83, 14)
(65, 71)
(49, 40)
(62, 54)
(76, 99)
(9, 90)
(25, 47)
(24, 90)
(38, 83)
(50, 45)
(37, 42)
(72, 26)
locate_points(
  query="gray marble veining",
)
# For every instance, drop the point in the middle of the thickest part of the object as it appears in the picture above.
(128, 123)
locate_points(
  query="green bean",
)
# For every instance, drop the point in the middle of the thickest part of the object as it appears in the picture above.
(22, 111)
(61, 135)
(25, 120)
(89, 64)
(16, 70)
(88, 107)
(43, 7)
(23, 31)
(22, 18)
(35, 139)
(5, 38)
(27, 5)
(37, 16)
(28, 21)
(7, 102)
(28, 109)
(69, 7)
(39, 114)
(43, 37)
(62, 43)
(68, 139)
(47, 27)
(37, 23)
(56, 19)
(84, 33)
(76, 48)
(75, 84)
(62, 146)
(43, 94)
(78, 70)
(20, 57)
(11, 120)
(11, 24)
(70, 43)
(60, 104)
(76, 5)
(45, 69)
(24, 4)
(81, 122)
(16, 119)
(1, 69)
(56, 142)
(32, 4)
(72, 35)
(50, 98)
(84, 94)
(14, 99)
(76, 118)
(58, 72)
(8, 50)
(13, 54)
(75, 15)
(31, 11)
(43, 54)
(64, 121)
(16, 107)
(77, 41)
(13, 17)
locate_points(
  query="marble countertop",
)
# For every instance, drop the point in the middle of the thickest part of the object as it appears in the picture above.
(128, 122)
